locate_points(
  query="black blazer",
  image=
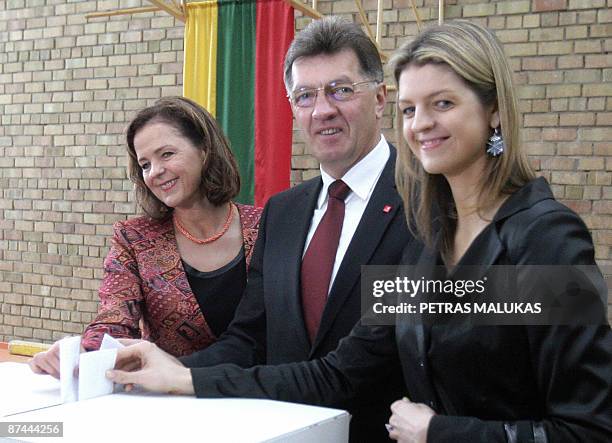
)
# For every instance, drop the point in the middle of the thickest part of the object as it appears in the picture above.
(487, 383)
(268, 326)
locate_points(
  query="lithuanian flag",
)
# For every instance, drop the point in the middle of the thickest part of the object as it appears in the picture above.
(233, 66)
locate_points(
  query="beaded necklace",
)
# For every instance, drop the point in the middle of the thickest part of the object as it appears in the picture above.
(212, 238)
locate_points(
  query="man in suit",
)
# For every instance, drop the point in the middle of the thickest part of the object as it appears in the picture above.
(334, 79)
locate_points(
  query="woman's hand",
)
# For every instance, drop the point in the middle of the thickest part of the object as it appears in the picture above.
(48, 362)
(409, 421)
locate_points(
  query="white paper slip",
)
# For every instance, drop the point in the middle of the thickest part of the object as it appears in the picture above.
(70, 348)
(109, 342)
(92, 370)
(91, 380)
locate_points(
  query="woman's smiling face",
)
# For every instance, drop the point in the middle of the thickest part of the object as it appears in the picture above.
(445, 124)
(171, 165)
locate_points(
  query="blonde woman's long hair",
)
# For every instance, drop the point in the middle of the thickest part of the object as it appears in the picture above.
(475, 55)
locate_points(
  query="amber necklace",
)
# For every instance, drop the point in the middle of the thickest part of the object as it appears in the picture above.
(212, 238)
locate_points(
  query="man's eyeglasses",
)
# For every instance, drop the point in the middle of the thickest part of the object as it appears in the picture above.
(337, 91)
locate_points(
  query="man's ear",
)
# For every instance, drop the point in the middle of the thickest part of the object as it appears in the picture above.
(381, 100)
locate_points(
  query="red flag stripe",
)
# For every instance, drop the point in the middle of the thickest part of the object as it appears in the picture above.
(273, 119)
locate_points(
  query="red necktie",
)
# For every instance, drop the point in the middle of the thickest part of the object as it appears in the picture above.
(318, 262)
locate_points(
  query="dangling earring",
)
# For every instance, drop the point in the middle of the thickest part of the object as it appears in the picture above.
(495, 145)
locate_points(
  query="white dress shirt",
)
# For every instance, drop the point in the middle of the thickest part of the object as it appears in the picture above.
(362, 179)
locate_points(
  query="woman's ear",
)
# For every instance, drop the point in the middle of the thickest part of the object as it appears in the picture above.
(494, 120)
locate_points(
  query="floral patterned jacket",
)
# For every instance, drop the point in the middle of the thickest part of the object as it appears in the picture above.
(145, 292)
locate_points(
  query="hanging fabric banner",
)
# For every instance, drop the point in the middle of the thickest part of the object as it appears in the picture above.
(233, 66)
(200, 55)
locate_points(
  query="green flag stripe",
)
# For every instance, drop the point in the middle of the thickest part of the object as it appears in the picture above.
(236, 86)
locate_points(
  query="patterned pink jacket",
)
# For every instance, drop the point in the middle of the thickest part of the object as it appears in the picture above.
(145, 292)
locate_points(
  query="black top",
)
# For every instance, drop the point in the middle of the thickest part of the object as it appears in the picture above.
(218, 292)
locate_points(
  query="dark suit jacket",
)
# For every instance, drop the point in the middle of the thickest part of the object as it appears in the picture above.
(488, 383)
(269, 326)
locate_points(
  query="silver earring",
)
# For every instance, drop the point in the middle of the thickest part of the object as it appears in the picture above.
(495, 145)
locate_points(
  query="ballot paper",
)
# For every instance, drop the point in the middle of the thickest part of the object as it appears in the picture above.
(92, 370)
(92, 366)
(109, 342)
(69, 351)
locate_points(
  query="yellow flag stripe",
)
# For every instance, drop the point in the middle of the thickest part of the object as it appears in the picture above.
(200, 65)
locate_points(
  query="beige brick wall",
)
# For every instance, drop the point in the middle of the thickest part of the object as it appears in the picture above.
(68, 86)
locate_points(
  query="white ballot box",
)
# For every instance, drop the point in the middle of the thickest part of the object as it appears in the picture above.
(30, 398)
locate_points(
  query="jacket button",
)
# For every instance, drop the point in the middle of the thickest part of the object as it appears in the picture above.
(421, 364)
(432, 404)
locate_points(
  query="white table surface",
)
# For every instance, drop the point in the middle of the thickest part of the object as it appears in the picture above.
(127, 417)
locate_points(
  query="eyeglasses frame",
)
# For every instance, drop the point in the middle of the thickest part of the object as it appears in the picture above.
(327, 86)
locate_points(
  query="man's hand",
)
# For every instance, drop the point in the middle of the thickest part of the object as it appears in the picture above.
(147, 366)
(409, 421)
(130, 341)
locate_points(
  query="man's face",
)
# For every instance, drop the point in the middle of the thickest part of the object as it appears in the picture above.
(338, 133)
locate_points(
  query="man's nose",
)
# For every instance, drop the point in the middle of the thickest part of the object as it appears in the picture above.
(324, 106)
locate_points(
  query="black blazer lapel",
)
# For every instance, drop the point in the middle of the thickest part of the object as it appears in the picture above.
(293, 226)
(413, 337)
(366, 239)
(485, 250)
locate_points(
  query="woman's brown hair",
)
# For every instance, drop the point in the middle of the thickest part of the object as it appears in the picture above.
(220, 177)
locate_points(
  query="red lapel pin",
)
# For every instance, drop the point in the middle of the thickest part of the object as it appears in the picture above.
(387, 209)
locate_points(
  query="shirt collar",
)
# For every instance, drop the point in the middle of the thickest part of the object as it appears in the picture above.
(363, 176)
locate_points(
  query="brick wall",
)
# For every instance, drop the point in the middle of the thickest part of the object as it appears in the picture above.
(68, 86)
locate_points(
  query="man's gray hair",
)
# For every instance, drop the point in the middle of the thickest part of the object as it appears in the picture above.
(330, 35)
